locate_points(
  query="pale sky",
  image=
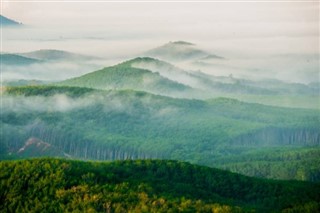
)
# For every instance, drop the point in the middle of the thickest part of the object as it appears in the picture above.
(198, 22)
(255, 34)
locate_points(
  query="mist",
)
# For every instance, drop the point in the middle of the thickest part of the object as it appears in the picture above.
(258, 40)
(111, 102)
(50, 71)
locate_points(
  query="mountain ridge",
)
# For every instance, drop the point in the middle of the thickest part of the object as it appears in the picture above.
(55, 54)
(179, 51)
(123, 76)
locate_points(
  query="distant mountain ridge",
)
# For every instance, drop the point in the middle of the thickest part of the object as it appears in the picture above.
(17, 60)
(6, 22)
(55, 55)
(162, 78)
(179, 51)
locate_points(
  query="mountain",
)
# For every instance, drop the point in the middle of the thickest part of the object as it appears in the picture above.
(56, 185)
(6, 22)
(159, 77)
(17, 60)
(56, 55)
(197, 79)
(125, 76)
(125, 124)
(268, 91)
(179, 51)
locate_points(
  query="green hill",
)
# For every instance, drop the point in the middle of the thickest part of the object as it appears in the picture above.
(54, 185)
(17, 60)
(124, 76)
(213, 85)
(159, 77)
(108, 125)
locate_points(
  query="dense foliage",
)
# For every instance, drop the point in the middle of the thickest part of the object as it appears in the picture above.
(159, 77)
(123, 76)
(38, 90)
(54, 185)
(109, 125)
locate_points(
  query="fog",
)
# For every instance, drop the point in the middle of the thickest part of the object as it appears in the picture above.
(56, 103)
(109, 101)
(50, 71)
(258, 40)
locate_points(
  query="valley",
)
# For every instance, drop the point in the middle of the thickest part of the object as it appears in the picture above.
(159, 107)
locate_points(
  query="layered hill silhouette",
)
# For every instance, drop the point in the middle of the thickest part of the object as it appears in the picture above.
(159, 77)
(56, 55)
(179, 51)
(17, 60)
(125, 76)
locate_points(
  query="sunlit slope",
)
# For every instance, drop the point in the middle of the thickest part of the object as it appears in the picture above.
(144, 186)
(107, 125)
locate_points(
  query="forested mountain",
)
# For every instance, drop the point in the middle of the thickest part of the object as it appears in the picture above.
(107, 125)
(159, 77)
(55, 185)
(124, 76)
(222, 85)
(101, 112)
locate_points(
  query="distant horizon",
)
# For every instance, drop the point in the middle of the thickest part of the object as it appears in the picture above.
(276, 38)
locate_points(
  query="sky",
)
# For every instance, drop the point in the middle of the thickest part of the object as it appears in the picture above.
(234, 29)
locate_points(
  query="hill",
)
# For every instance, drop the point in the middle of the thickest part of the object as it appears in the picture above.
(144, 186)
(56, 55)
(179, 51)
(17, 60)
(197, 79)
(109, 125)
(6, 22)
(268, 91)
(124, 76)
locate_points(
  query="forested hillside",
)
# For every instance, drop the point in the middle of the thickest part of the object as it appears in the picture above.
(124, 76)
(162, 78)
(55, 185)
(101, 111)
(108, 125)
